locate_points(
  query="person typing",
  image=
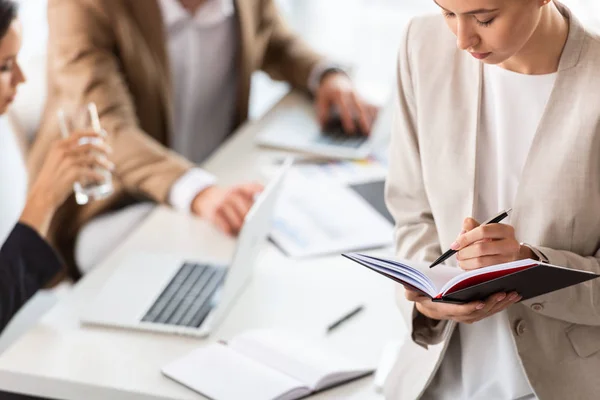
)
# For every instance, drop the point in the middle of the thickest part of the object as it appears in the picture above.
(171, 79)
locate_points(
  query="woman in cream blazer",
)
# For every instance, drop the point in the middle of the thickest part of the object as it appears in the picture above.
(435, 185)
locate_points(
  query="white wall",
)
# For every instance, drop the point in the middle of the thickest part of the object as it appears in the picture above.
(360, 33)
(588, 11)
(33, 16)
(364, 34)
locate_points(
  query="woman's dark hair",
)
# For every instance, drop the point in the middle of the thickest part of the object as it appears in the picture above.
(8, 12)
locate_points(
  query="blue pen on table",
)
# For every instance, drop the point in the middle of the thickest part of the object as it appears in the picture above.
(493, 220)
(345, 318)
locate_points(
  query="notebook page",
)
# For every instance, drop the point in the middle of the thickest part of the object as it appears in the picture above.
(415, 273)
(401, 278)
(441, 274)
(219, 372)
(306, 361)
(487, 270)
(402, 273)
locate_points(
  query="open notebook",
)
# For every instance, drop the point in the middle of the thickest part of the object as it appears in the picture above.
(263, 365)
(442, 283)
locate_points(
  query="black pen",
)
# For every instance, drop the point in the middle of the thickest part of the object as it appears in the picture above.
(345, 318)
(493, 220)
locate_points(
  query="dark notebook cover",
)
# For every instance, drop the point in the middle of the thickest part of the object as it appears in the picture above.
(531, 282)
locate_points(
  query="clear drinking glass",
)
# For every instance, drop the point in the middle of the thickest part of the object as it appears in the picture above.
(86, 119)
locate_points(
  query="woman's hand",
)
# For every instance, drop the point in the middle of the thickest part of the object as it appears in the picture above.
(484, 245)
(67, 162)
(226, 207)
(337, 90)
(478, 246)
(464, 313)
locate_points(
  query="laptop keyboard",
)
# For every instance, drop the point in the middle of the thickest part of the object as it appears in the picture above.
(334, 134)
(187, 299)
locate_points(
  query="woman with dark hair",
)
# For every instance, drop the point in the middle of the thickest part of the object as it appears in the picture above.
(27, 261)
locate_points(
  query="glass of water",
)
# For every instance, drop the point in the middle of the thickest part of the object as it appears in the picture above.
(86, 119)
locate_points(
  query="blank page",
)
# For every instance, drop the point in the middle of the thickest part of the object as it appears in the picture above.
(220, 372)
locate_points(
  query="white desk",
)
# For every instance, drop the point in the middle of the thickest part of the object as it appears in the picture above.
(58, 358)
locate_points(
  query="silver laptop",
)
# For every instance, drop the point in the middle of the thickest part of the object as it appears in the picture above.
(164, 293)
(297, 129)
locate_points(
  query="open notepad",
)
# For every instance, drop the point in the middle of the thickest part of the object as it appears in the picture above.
(442, 283)
(263, 365)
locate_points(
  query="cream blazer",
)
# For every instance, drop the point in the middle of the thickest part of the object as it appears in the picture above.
(430, 190)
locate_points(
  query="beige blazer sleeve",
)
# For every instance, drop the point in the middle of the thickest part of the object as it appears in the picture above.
(579, 304)
(83, 68)
(287, 57)
(415, 233)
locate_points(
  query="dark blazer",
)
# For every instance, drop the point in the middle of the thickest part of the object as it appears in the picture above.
(27, 263)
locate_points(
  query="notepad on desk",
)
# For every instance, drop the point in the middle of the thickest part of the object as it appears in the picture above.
(263, 365)
(443, 283)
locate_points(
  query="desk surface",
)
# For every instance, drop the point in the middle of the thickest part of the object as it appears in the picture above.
(59, 358)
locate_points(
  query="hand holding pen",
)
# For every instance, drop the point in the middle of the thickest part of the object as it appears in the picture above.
(486, 244)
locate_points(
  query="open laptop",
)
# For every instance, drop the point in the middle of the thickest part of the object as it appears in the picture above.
(164, 293)
(297, 129)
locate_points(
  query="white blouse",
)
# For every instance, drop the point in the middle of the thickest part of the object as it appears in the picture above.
(481, 361)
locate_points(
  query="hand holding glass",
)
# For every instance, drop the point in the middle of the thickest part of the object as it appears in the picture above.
(86, 119)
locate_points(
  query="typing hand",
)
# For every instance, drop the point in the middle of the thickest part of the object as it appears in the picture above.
(226, 208)
(484, 245)
(336, 91)
(464, 313)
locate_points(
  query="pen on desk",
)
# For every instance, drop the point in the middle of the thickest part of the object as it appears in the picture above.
(493, 220)
(345, 318)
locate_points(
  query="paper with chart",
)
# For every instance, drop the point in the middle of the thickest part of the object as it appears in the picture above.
(345, 172)
(322, 216)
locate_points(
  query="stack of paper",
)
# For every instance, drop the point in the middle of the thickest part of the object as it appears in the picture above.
(322, 216)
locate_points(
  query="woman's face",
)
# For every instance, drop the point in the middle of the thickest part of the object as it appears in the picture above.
(10, 71)
(493, 31)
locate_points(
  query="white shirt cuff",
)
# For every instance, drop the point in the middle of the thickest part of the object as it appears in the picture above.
(314, 79)
(185, 189)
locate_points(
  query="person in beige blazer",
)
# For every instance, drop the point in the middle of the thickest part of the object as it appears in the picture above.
(454, 150)
(119, 54)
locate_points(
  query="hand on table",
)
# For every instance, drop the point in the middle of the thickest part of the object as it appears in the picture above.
(226, 207)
